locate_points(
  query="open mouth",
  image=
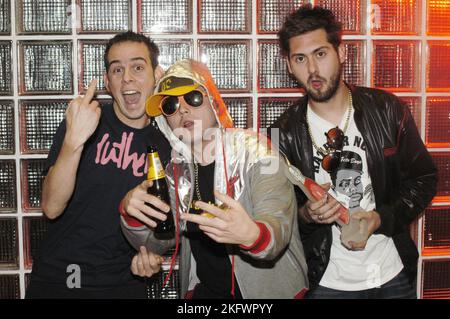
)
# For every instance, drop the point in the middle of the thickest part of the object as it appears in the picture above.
(316, 84)
(131, 96)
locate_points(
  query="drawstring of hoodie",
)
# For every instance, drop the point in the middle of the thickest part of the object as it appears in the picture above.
(177, 232)
(233, 290)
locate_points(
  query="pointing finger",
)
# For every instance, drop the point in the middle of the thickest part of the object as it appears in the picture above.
(198, 219)
(90, 91)
(230, 202)
(212, 209)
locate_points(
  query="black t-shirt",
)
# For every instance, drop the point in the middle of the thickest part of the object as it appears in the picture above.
(213, 263)
(88, 232)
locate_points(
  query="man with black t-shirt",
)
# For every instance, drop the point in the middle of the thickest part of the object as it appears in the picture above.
(98, 154)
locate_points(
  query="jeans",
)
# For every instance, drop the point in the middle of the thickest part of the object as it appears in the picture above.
(399, 287)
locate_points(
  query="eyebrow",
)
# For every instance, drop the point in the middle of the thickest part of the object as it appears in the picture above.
(314, 51)
(133, 59)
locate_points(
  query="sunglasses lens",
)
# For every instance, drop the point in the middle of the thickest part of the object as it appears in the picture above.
(335, 138)
(331, 161)
(170, 105)
(194, 98)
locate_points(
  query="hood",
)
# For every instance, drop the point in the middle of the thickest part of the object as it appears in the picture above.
(199, 75)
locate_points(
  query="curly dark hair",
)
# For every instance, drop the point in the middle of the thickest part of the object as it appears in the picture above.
(153, 49)
(306, 19)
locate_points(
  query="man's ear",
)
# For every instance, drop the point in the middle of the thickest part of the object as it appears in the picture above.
(106, 81)
(288, 65)
(159, 72)
(341, 53)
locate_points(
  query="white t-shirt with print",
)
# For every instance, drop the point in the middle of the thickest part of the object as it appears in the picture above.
(379, 262)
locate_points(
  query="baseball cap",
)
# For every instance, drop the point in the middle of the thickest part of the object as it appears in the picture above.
(173, 86)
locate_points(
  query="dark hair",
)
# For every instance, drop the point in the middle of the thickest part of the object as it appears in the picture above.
(133, 37)
(306, 19)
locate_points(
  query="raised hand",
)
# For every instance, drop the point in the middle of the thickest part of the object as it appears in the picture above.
(82, 117)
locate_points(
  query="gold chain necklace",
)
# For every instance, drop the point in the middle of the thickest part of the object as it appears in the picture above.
(197, 188)
(320, 150)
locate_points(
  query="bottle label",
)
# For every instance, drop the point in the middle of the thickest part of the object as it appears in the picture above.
(155, 168)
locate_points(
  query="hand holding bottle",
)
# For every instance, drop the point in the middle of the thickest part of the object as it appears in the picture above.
(136, 205)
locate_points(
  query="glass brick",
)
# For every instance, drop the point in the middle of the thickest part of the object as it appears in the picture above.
(39, 121)
(46, 67)
(395, 65)
(414, 104)
(9, 253)
(438, 60)
(437, 123)
(6, 74)
(170, 291)
(240, 109)
(442, 162)
(349, 13)
(271, 13)
(436, 230)
(155, 289)
(270, 109)
(353, 71)
(32, 178)
(5, 17)
(438, 13)
(226, 16)
(9, 286)
(273, 75)
(92, 64)
(165, 16)
(435, 283)
(8, 186)
(395, 17)
(6, 127)
(43, 16)
(105, 15)
(171, 51)
(229, 63)
(34, 230)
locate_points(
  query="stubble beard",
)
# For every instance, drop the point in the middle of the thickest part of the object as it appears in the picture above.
(318, 96)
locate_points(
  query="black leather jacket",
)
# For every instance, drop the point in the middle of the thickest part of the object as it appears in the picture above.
(402, 172)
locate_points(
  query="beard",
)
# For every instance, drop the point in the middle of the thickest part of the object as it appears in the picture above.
(319, 96)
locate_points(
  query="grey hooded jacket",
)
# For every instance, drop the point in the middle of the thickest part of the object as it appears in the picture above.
(258, 183)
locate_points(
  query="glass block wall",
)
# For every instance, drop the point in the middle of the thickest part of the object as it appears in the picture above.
(50, 51)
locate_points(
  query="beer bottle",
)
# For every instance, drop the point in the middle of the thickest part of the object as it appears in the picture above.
(164, 229)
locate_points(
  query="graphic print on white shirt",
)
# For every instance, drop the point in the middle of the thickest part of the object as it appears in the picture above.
(379, 262)
(347, 179)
